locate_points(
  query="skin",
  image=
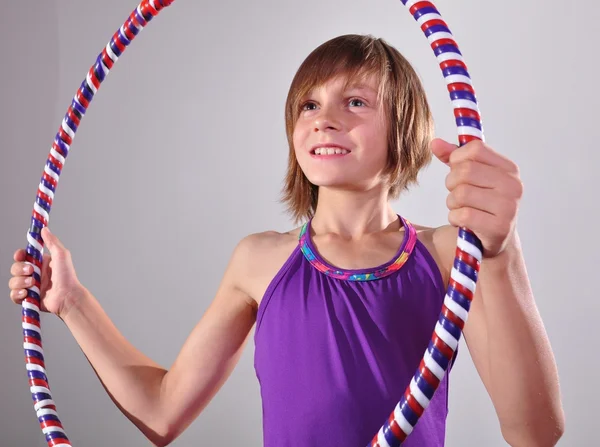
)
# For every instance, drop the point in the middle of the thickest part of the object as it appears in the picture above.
(354, 227)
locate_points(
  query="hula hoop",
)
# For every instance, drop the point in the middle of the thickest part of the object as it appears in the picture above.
(461, 288)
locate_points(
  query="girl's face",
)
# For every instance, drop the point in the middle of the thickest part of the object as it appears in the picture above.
(340, 138)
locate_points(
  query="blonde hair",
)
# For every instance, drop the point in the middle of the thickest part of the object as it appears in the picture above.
(401, 96)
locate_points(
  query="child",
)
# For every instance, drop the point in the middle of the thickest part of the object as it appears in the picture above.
(344, 305)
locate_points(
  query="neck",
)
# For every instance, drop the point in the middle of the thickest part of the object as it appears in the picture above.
(353, 214)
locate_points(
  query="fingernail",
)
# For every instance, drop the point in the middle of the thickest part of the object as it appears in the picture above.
(22, 292)
(26, 269)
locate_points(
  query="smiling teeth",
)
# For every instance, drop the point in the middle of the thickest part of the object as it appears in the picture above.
(330, 151)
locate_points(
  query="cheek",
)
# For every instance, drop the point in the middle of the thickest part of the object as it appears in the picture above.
(298, 136)
(299, 139)
(378, 140)
(299, 152)
(382, 143)
(297, 145)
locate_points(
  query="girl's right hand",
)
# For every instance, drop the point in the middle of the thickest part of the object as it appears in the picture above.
(59, 289)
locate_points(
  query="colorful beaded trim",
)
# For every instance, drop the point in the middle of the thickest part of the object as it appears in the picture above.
(310, 253)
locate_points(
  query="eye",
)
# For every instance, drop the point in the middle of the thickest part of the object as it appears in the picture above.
(306, 106)
(357, 100)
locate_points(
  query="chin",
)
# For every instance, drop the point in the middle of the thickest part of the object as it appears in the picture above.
(344, 183)
(327, 181)
(337, 185)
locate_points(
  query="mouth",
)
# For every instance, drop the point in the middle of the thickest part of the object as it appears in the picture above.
(329, 151)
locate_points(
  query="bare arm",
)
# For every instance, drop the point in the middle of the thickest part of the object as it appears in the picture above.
(510, 348)
(160, 402)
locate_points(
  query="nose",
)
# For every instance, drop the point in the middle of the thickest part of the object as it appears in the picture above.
(326, 120)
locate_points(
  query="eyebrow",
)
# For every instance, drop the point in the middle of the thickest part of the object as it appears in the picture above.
(353, 86)
(359, 86)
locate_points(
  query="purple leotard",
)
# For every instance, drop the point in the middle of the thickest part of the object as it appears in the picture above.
(335, 349)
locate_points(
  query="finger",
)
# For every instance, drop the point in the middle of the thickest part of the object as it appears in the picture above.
(486, 200)
(442, 149)
(469, 217)
(20, 282)
(52, 242)
(20, 255)
(484, 176)
(479, 151)
(46, 271)
(479, 222)
(21, 268)
(18, 296)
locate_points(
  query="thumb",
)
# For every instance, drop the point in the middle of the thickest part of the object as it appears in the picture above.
(442, 149)
(52, 242)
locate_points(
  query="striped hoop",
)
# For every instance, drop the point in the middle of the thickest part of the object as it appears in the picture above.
(34, 354)
(461, 289)
(463, 279)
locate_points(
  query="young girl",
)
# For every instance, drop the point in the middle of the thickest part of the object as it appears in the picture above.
(344, 305)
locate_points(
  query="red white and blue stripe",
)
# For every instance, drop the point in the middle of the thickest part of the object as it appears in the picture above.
(463, 278)
(453, 316)
(44, 405)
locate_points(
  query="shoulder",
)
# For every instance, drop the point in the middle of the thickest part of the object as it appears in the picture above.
(257, 245)
(441, 244)
(258, 257)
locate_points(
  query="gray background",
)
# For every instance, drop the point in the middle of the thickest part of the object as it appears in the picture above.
(183, 152)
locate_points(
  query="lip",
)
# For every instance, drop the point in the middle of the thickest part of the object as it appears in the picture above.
(316, 146)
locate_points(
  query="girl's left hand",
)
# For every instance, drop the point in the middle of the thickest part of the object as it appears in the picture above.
(485, 191)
